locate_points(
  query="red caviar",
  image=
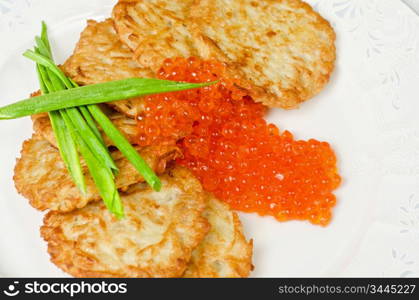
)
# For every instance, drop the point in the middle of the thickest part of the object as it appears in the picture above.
(235, 153)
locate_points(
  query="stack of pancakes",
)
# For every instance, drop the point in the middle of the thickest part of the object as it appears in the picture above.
(283, 53)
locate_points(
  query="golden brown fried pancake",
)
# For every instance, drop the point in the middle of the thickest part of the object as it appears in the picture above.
(100, 57)
(224, 252)
(155, 29)
(41, 176)
(128, 127)
(282, 46)
(155, 239)
(282, 50)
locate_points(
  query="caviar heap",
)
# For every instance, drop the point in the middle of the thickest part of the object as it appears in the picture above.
(235, 153)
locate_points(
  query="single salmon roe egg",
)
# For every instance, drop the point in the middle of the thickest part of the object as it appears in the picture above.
(235, 153)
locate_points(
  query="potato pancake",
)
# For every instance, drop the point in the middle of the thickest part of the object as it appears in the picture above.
(41, 176)
(282, 50)
(100, 57)
(224, 252)
(155, 239)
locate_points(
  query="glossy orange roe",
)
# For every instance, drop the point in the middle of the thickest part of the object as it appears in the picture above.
(234, 152)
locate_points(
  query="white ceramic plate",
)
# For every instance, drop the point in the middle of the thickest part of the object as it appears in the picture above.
(369, 114)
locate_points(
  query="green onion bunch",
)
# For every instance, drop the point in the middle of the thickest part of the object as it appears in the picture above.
(75, 117)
